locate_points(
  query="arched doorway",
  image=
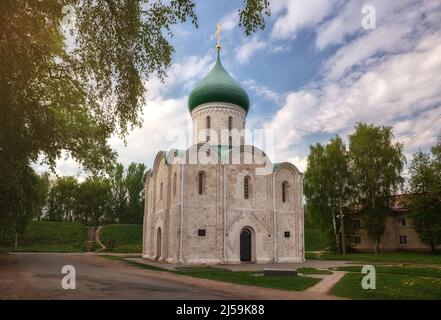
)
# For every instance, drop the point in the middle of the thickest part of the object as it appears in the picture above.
(158, 243)
(245, 245)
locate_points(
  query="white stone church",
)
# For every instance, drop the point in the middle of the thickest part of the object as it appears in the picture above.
(221, 201)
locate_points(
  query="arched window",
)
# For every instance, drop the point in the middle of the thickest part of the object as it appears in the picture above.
(175, 182)
(230, 123)
(161, 191)
(246, 187)
(284, 191)
(201, 181)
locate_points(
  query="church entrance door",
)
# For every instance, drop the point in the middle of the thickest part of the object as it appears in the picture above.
(245, 245)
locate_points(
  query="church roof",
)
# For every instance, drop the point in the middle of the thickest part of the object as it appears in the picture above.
(218, 86)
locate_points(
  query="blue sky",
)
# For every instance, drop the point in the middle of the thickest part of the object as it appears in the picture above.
(314, 72)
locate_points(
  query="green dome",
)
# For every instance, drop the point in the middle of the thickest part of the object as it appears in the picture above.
(218, 86)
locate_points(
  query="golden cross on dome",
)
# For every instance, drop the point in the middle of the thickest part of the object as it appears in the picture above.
(218, 31)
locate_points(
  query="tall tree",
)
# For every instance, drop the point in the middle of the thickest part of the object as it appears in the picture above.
(119, 193)
(93, 202)
(425, 201)
(376, 165)
(339, 178)
(32, 196)
(56, 99)
(134, 182)
(327, 186)
(62, 198)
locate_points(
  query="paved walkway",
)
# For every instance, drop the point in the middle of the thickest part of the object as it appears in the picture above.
(327, 283)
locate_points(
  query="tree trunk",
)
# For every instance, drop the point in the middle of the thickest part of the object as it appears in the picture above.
(16, 241)
(432, 246)
(337, 240)
(376, 246)
(342, 225)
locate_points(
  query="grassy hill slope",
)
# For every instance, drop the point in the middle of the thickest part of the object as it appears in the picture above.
(51, 236)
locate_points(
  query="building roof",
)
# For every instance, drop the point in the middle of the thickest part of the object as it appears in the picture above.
(218, 86)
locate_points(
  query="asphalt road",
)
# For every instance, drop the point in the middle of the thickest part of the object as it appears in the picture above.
(38, 276)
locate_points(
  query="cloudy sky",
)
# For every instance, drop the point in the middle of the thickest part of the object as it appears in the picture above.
(314, 72)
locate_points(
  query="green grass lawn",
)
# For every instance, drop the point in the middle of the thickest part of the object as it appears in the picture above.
(127, 237)
(404, 270)
(392, 283)
(253, 279)
(387, 257)
(51, 236)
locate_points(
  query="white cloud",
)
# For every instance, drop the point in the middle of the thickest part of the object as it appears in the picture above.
(262, 90)
(298, 14)
(182, 73)
(300, 162)
(249, 47)
(290, 124)
(165, 120)
(230, 21)
(384, 39)
(348, 20)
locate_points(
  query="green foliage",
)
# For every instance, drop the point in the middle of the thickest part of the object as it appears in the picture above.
(327, 181)
(127, 237)
(376, 165)
(20, 202)
(62, 198)
(316, 239)
(134, 182)
(128, 192)
(119, 192)
(93, 202)
(425, 200)
(98, 200)
(251, 16)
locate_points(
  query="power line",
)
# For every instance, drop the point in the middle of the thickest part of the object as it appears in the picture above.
(422, 132)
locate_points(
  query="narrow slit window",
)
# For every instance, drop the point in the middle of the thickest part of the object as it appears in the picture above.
(284, 191)
(201, 182)
(208, 122)
(246, 187)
